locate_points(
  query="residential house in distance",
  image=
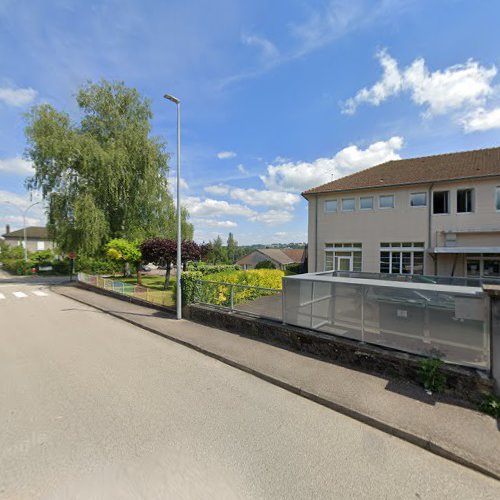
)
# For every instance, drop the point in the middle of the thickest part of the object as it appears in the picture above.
(37, 238)
(280, 257)
(435, 215)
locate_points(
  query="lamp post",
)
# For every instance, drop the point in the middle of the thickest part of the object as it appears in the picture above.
(177, 102)
(23, 213)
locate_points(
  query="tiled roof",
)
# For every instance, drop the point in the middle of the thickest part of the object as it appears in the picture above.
(450, 166)
(35, 232)
(296, 254)
(282, 256)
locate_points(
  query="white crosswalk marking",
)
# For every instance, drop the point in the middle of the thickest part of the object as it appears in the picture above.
(2, 296)
(19, 295)
(40, 293)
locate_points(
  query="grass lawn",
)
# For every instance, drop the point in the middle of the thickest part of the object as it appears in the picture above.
(153, 283)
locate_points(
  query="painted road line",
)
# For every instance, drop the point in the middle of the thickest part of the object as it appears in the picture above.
(2, 296)
(40, 293)
(19, 295)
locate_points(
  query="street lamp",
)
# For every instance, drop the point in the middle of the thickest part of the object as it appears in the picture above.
(23, 213)
(177, 102)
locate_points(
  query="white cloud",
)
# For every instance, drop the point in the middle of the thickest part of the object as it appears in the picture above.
(17, 97)
(172, 183)
(459, 88)
(242, 170)
(481, 119)
(268, 50)
(273, 217)
(213, 223)
(264, 198)
(11, 205)
(226, 155)
(16, 165)
(299, 176)
(209, 208)
(219, 189)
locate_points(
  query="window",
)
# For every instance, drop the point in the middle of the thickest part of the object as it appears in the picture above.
(464, 201)
(348, 204)
(497, 202)
(386, 201)
(440, 202)
(343, 257)
(330, 206)
(40, 245)
(418, 199)
(366, 203)
(402, 258)
(483, 265)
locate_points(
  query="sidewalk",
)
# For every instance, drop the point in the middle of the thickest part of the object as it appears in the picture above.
(460, 434)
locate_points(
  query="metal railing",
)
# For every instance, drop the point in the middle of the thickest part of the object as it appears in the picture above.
(158, 297)
(254, 300)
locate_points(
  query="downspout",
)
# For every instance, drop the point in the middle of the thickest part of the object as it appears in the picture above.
(316, 236)
(429, 227)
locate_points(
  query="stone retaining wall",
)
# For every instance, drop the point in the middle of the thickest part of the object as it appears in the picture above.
(464, 383)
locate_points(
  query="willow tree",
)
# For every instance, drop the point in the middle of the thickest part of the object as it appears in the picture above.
(103, 176)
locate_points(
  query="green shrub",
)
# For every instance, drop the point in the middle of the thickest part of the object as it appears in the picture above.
(189, 287)
(205, 268)
(18, 266)
(294, 268)
(265, 264)
(94, 265)
(433, 379)
(43, 257)
(491, 406)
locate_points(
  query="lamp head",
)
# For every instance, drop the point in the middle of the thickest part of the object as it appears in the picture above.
(172, 98)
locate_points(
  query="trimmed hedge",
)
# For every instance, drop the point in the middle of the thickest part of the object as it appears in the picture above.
(220, 294)
(205, 268)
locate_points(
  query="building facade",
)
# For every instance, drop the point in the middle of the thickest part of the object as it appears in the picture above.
(37, 238)
(437, 215)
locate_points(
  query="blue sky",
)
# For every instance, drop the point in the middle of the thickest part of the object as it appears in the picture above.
(277, 96)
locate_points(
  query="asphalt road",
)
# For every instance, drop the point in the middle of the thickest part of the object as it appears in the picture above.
(92, 407)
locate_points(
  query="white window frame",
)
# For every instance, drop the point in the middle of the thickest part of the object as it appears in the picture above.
(331, 211)
(40, 245)
(348, 210)
(403, 249)
(386, 196)
(419, 206)
(366, 198)
(331, 248)
(449, 202)
(472, 201)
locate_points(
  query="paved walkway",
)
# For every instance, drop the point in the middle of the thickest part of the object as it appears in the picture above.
(461, 434)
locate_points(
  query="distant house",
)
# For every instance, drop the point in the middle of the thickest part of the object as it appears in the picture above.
(37, 238)
(280, 257)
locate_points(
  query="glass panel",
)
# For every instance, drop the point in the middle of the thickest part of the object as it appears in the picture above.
(396, 263)
(338, 245)
(366, 203)
(464, 201)
(329, 261)
(385, 262)
(473, 267)
(418, 199)
(357, 245)
(348, 204)
(418, 262)
(385, 245)
(357, 261)
(406, 269)
(440, 202)
(344, 263)
(421, 244)
(497, 202)
(386, 201)
(330, 205)
(491, 267)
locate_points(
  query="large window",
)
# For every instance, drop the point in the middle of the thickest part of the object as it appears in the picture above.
(386, 201)
(40, 245)
(366, 203)
(465, 201)
(487, 265)
(418, 199)
(343, 257)
(402, 258)
(348, 204)
(440, 202)
(330, 206)
(497, 200)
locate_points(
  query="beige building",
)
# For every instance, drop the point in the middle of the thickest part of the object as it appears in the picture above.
(437, 215)
(37, 238)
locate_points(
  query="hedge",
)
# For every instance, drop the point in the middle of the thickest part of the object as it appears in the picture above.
(220, 294)
(204, 268)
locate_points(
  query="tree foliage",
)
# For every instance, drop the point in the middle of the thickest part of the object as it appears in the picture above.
(125, 252)
(104, 177)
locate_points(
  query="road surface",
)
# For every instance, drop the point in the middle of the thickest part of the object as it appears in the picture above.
(92, 407)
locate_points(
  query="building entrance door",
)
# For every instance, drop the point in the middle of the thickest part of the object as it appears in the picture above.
(344, 263)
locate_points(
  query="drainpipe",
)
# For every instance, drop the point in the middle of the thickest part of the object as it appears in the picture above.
(429, 226)
(316, 236)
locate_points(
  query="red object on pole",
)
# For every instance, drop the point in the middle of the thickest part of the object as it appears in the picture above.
(33, 270)
(72, 255)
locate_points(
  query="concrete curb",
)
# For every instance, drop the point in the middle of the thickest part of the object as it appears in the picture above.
(412, 438)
